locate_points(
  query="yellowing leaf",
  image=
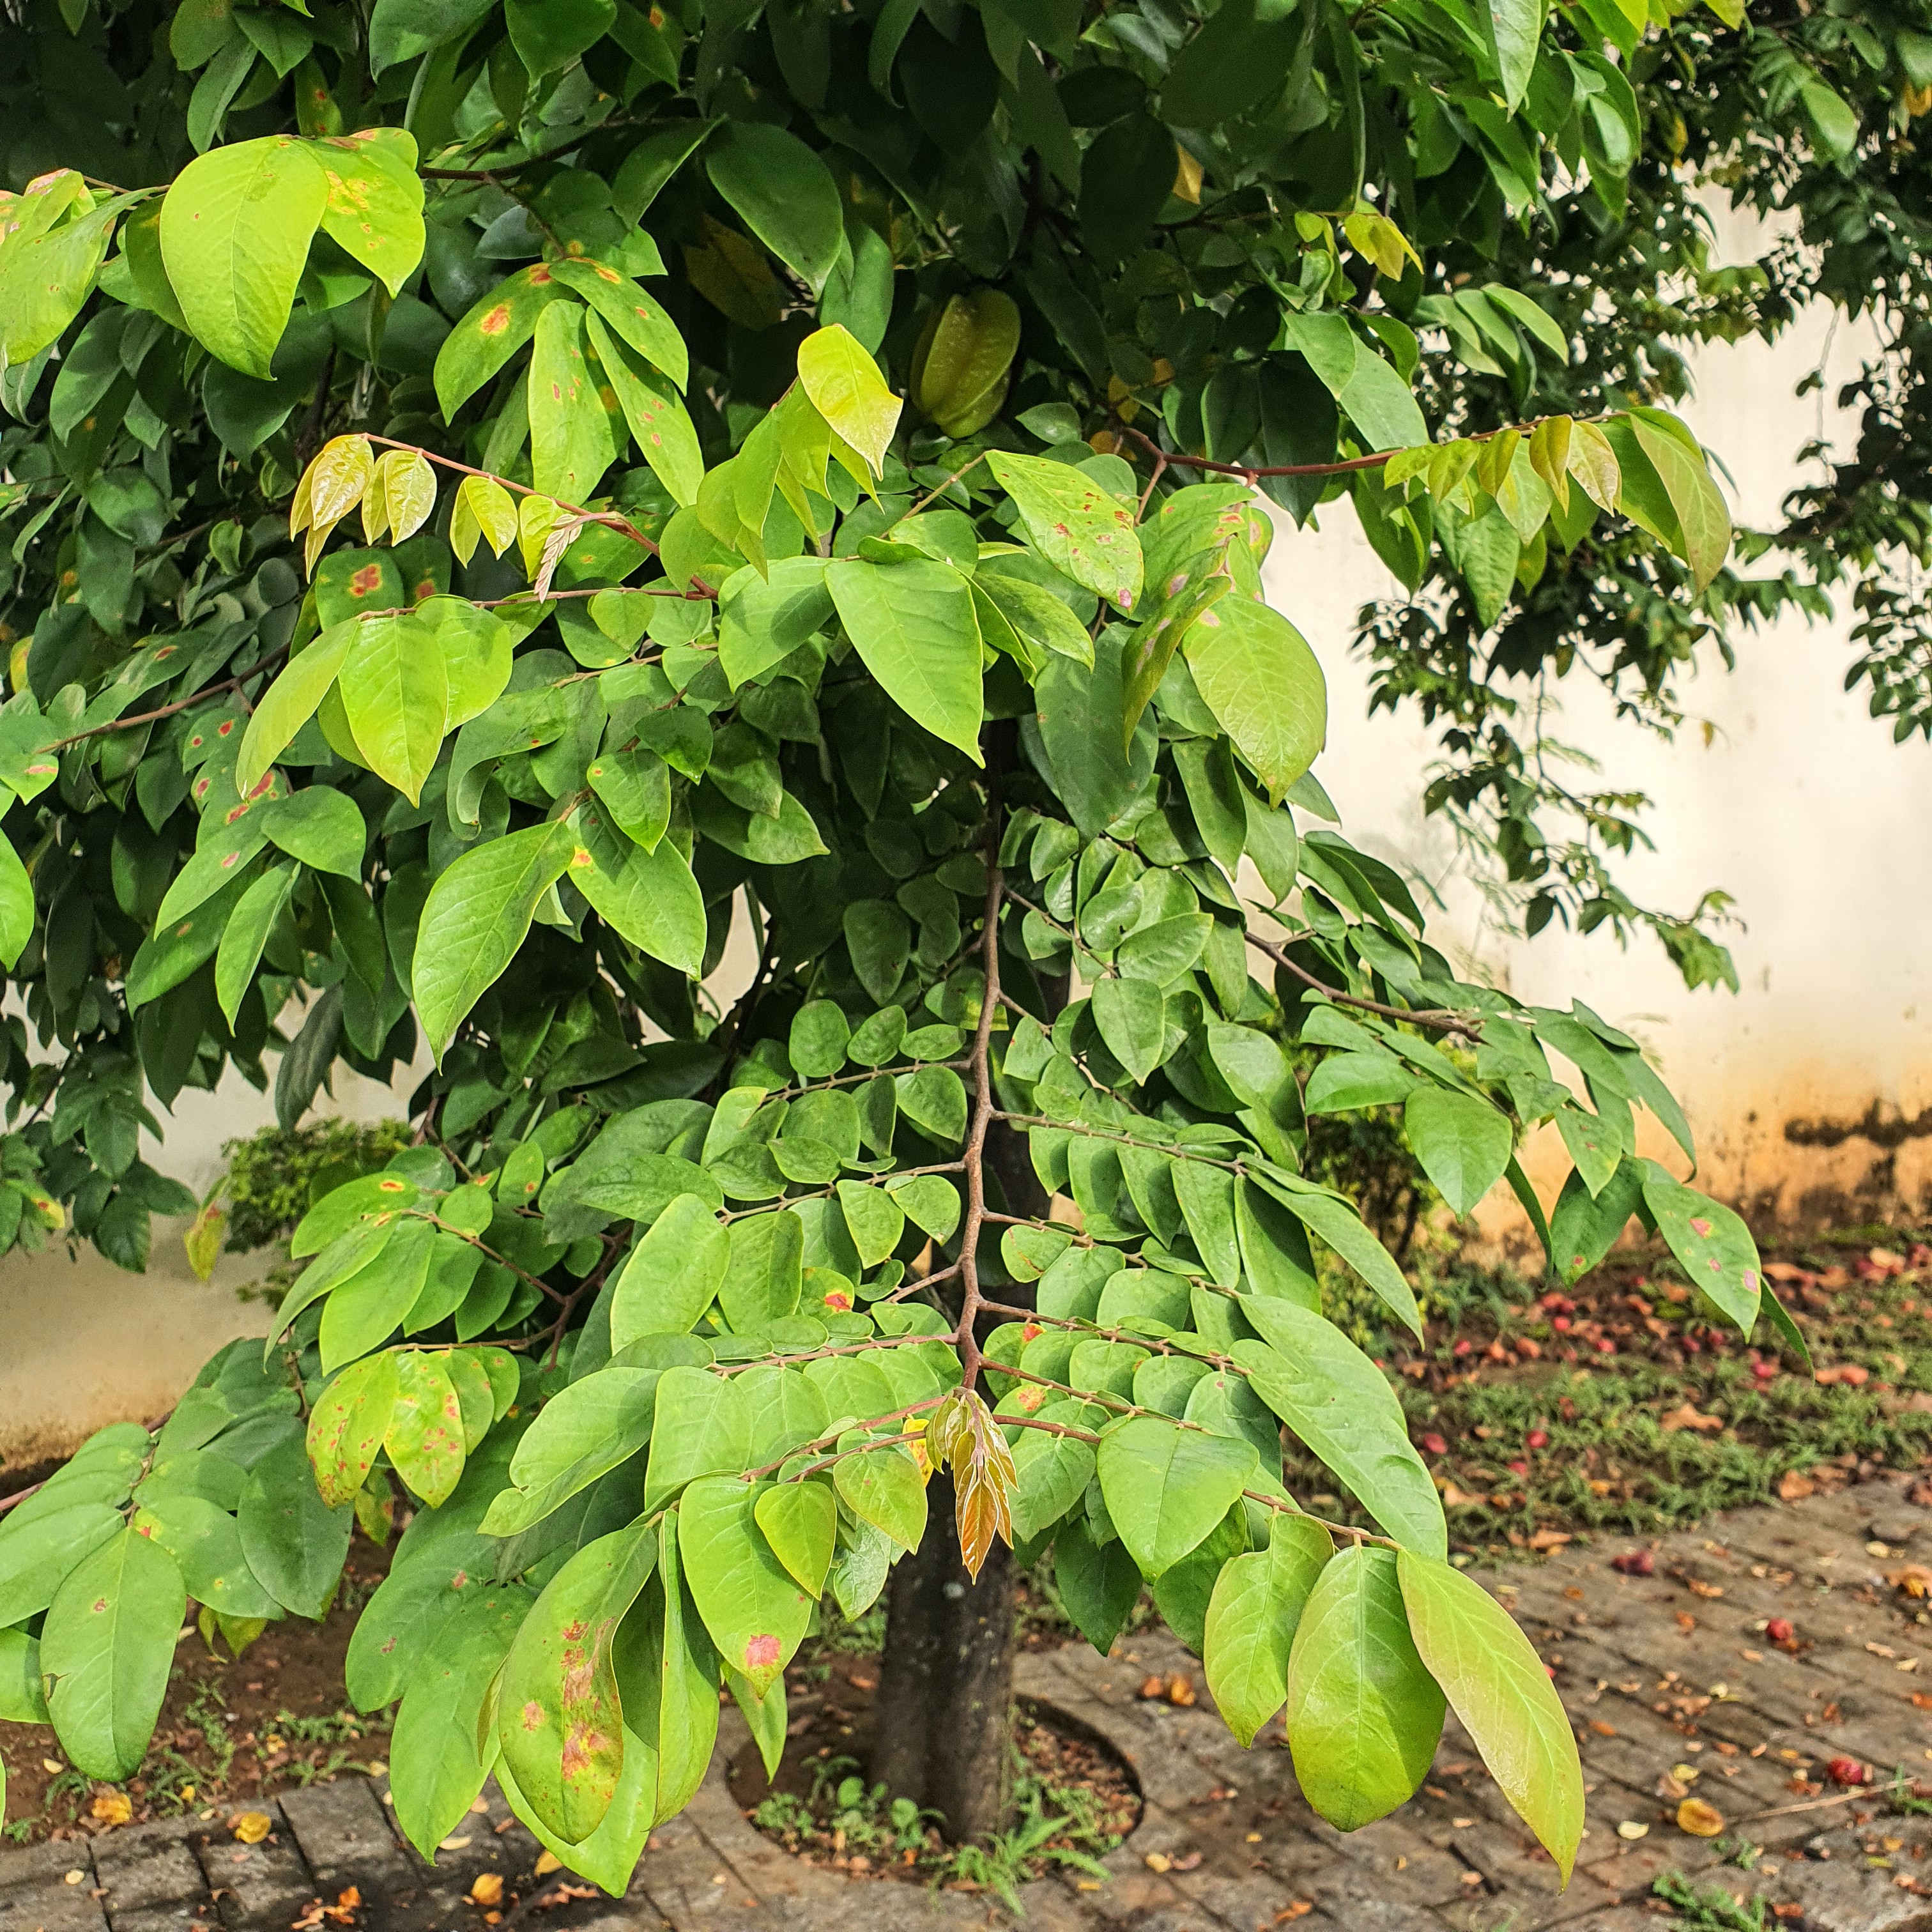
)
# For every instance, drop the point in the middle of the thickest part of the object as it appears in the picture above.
(483, 508)
(844, 385)
(1700, 1819)
(251, 1827)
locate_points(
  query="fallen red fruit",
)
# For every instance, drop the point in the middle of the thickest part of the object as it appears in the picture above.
(1765, 1371)
(1463, 1347)
(1435, 1445)
(1635, 1563)
(1780, 1630)
(1848, 1771)
(1537, 1439)
(1562, 1324)
(1520, 1468)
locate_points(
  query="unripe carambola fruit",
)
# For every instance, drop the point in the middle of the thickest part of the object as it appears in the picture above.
(964, 353)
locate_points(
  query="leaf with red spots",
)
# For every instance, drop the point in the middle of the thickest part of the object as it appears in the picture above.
(559, 1719)
(425, 1436)
(751, 1604)
(375, 202)
(1711, 1244)
(346, 1426)
(1079, 527)
(495, 327)
(626, 309)
(109, 1643)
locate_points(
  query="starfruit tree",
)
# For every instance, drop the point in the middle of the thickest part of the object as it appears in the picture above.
(506, 497)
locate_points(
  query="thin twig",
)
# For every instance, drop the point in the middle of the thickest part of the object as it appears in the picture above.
(1446, 1019)
(168, 710)
(939, 489)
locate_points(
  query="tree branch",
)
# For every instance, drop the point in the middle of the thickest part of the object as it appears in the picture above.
(1465, 1020)
(983, 1111)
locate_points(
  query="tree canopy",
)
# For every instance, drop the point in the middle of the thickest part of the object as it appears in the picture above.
(503, 492)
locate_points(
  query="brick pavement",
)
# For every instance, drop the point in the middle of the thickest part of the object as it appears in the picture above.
(1657, 1674)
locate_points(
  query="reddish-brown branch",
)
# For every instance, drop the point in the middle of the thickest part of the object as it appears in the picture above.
(168, 710)
(983, 1110)
(1445, 1019)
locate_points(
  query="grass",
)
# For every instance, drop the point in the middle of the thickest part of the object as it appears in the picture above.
(1619, 1407)
(1710, 1908)
(1058, 1824)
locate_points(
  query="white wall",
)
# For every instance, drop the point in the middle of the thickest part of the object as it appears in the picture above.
(1800, 805)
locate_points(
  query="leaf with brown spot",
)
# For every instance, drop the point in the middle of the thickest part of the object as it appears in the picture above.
(559, 1717)
(424, 1436)
(346, 1426)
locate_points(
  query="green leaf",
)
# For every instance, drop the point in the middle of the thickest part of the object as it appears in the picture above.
(913, 624)
(882, 1486)
(36, 1552)
(1132, 1016)
(548, 35)
(785, 192)
(22, 1700)
(1497, 1685)
(1076, 525)
(1167, 1487)
(45, 280)
(16, 904)
(763, 616)
(1038, 617)
(1513, 29)
(436, 1769)
(290, 702)
(702, 1427)
(874, 1219)
(1343, 1229)
(109, 1644)
(1711, 1243)
(205, 1542)
(1252, 1619)
(582, 1433)
(1257, 675)
(752, 1606)
(560, 1721)
(1464, 1144)
(1364, 1714)
(930, 1201)
(845, 387)
(672, 1275)
(474, 919)
(1099, 1582)
(320, 827)
(800, 1522)
(1702, 517)
(660, 424)
(234, 234)
(1584, 1228)
(762, 1281)
(294, 1542)
(649, 897)
(1052, 1472)
(395, 691)
(1340, 1404)
(571, 443)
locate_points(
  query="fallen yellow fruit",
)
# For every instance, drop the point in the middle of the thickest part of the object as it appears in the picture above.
(1700, 1819)
(251, 1827)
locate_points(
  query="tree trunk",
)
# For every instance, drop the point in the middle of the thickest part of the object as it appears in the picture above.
(945, 1684)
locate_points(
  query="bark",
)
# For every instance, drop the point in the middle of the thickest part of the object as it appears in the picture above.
(946, 1683)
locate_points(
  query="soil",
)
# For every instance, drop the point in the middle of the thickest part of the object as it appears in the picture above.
(1617, 1406)
(231, 1729)
(819, 1808)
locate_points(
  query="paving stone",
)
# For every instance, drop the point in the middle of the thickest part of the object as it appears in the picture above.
(48, 1905)
(152, 1880)
(346, 1839)
(261, 1886)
